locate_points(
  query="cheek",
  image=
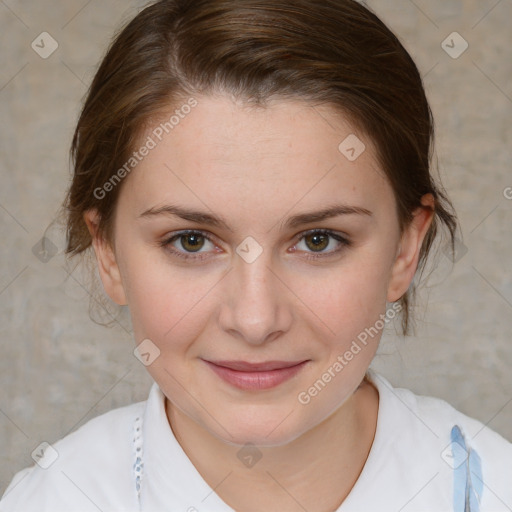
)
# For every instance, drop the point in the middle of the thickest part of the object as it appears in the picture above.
(346, 299)
(351, 302)
(168, 304)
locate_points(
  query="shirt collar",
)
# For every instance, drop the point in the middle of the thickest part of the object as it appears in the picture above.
(171, 482)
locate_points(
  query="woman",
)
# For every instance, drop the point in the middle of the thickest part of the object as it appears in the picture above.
(254, 178)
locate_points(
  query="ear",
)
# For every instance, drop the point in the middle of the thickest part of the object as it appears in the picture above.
(408, 253)
(106, 259)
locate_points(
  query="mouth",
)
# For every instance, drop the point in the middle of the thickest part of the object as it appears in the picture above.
(256, 376)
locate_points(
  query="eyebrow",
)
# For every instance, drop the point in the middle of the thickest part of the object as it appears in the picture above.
(294, 221)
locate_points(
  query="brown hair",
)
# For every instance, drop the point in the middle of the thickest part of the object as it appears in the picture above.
(333, 52)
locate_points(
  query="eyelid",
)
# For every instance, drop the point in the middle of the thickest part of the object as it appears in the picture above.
(327, 231)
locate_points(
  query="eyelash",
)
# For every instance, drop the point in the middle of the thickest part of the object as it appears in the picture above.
(166, 244)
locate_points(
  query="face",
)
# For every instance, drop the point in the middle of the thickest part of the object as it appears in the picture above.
(245, 238)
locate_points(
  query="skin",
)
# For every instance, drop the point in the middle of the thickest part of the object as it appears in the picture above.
(255, 168)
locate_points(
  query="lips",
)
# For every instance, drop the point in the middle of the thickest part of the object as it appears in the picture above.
(255, 376)
(266, 366)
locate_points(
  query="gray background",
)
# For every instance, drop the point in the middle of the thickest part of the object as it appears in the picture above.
(58, 369)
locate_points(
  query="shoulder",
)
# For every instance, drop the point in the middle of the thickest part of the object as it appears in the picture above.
(448, 443)
(438, 415)
(87, 470)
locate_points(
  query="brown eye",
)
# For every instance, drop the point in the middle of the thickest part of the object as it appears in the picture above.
(192, 242)
(317, 241)
(192, 245)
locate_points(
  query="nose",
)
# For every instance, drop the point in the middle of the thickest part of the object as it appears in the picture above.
(257, 307)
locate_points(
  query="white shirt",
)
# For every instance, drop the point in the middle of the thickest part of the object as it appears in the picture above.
(128, 460)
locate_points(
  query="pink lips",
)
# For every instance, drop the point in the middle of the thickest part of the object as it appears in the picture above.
(255, 376)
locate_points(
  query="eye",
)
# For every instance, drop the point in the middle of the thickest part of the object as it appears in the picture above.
(316, 241)
(186, 244)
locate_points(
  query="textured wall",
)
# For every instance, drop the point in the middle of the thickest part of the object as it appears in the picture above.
(58, 369)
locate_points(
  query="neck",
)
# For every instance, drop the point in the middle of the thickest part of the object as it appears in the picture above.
(315, 471)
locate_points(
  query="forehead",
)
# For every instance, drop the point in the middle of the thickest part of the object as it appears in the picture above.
(224, 153)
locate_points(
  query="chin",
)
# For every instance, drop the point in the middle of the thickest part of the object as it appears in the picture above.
(273, 429)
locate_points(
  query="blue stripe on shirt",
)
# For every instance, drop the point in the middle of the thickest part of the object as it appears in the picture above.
(467, 478)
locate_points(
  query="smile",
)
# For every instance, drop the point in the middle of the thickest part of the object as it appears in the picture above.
(256, 376)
